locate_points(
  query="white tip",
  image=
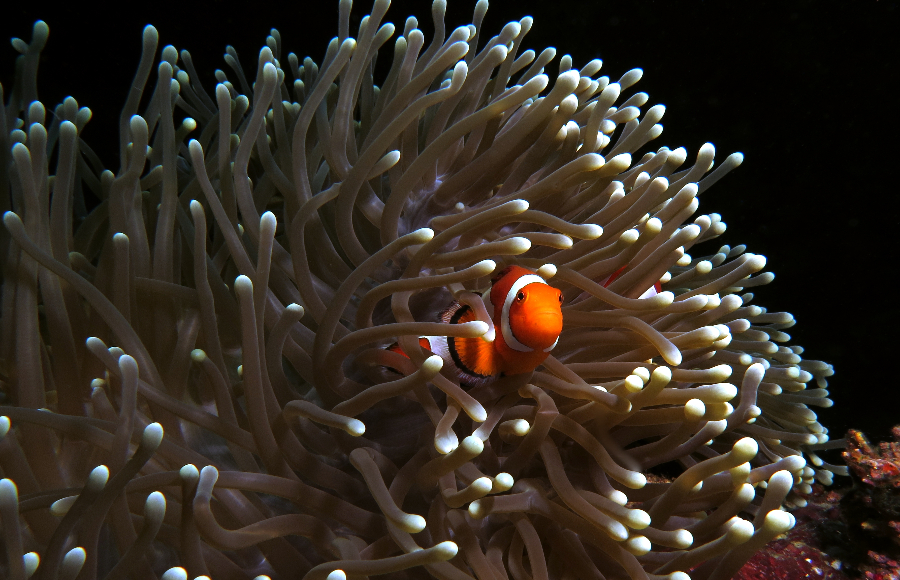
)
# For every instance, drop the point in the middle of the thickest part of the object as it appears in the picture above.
(745, 449)
(355, 427)
(476, 510)
(694, 410)
(638, 545)
(446, 550)
(473, 445)
(152, 436)
(412, 523)
(502, 482)
(189, 472)
(740, 531)
(778, 521)
(31, 561)
(97, 478)
(421, 235)
(482, 485)
(155, 506)
(757, 262)
(433, 365)
(243, 284)
(516, 205)
(9, 493)
(268, 221)
(487, 266)
(476, 328)
(723, 392)
(635, 480)
(683, 539)
(638, 519)
(177, 573)
(74, 560)
(591, 231)
(518, 245)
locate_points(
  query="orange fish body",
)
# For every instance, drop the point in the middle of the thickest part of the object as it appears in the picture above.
(527, 318)
(649, 293)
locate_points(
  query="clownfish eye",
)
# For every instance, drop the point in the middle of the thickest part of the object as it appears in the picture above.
(520, 296)
(560, 297)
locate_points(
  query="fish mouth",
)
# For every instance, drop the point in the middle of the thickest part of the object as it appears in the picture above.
(541, 330)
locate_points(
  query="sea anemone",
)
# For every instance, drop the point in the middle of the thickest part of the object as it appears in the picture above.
(193, 347)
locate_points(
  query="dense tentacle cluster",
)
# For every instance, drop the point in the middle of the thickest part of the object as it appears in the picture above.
(259, 247)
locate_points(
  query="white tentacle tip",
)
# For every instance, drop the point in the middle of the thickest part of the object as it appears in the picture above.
(672, 357)
(421, 235)
(155, 505)
(757, 262)
(473, 445)
(518, 245)
(433, 364)
(446, 550)
(779, 521)
(268, 220)
(476, 327)
(177, 573)
(152, 436)
(476, 510)
(746, 448)
(74, 560)
(97, 478)
(189, 472)
(635, 480)
(355, 427)
(243, 284)
(8, 492)
(10, 218)
(445, 445)
(637, 519)
(517, 205)
(31, 560)
(412, 523)
(547, 271)
(638, 545)
(487, 266)
(502, 482)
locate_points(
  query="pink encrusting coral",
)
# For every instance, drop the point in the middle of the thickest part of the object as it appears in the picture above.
(194, 368)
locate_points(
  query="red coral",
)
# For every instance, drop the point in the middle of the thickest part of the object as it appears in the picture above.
(854, 533)
(800, 553)
(871, 508)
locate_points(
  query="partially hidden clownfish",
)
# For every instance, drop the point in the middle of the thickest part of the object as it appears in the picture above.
(649, 293)
(527, 317)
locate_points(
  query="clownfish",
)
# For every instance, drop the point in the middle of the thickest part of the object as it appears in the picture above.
(527, 317)
(648, 293)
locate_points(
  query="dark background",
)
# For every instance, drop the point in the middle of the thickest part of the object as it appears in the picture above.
(807, 90)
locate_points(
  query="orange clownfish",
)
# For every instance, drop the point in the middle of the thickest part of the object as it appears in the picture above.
(527, 318)
(648, 293)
